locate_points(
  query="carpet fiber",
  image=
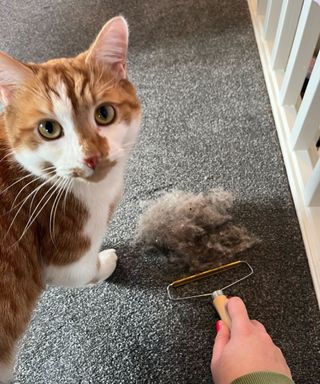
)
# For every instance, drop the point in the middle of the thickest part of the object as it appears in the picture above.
(207, 123)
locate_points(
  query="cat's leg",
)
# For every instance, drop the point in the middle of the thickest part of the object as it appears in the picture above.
(13, 323)
(20, 289)
(6, 371)
(90, 269)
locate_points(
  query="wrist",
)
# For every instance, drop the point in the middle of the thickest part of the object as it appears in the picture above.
(263, 378)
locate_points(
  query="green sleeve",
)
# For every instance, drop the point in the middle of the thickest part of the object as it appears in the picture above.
(263, 378)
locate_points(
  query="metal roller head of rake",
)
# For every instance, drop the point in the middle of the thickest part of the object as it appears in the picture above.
(218, 297)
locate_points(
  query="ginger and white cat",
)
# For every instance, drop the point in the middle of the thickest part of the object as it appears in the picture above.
(65, 134)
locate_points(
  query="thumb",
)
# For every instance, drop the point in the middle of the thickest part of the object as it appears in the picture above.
(220, 342)
(238, 314)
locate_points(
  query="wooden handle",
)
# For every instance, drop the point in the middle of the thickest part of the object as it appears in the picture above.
(219, 302)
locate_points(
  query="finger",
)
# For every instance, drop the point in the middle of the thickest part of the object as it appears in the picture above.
(220, 342)
(238, 313)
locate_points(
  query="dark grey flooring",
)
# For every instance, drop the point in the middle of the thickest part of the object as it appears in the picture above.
(207, 123)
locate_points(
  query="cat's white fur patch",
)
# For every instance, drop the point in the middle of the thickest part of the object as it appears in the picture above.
(62, 108)
(30, 160)
(72, 153)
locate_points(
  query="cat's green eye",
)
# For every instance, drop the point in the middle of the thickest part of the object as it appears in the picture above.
(104, 114)
(50, 129)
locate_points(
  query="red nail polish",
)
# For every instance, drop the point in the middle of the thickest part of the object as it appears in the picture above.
(218, 325)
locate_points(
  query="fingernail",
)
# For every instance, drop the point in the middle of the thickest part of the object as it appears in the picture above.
(218, 325)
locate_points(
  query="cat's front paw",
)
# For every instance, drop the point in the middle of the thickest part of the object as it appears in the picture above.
(108, 262)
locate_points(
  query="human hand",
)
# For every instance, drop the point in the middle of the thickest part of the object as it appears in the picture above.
(246, 348)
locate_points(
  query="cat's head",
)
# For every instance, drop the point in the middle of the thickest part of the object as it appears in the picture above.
(73, 117)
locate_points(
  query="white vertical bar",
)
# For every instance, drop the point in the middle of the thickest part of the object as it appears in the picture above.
(271, 19)
(312, 189)
(305, 40)
(261, 7)
(287, 26)
(308, 119)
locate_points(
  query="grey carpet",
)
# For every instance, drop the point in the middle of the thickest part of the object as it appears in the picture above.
(207, 123)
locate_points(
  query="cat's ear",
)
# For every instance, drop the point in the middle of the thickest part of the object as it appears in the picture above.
(111, 46)
(12, 75)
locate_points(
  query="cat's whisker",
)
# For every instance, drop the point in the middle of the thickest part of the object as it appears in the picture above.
(69, 186)
(116, 151)
(12, 160)
(54, 207)
(33, 198)
(11, 152)
(23, 200)
(25, 177)
(13, 206)
(50, 218)
(127, 145)
(113, 156)
(117, 154)
(23, 203)
(38, 188)
(64, 189)
(52, 167)
(16, 182)
(70, 182)
(122, 151)
(35, 214)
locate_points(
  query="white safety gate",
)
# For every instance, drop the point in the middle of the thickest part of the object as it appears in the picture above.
(287, 34)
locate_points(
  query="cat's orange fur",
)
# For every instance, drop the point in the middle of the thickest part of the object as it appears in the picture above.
(23, 259)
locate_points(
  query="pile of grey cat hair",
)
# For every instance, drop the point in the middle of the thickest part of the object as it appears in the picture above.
(193, 230)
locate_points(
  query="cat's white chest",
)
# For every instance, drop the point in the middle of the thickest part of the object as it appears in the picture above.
(99, 199)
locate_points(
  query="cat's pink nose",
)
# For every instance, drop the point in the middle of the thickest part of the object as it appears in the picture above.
(92, 161)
